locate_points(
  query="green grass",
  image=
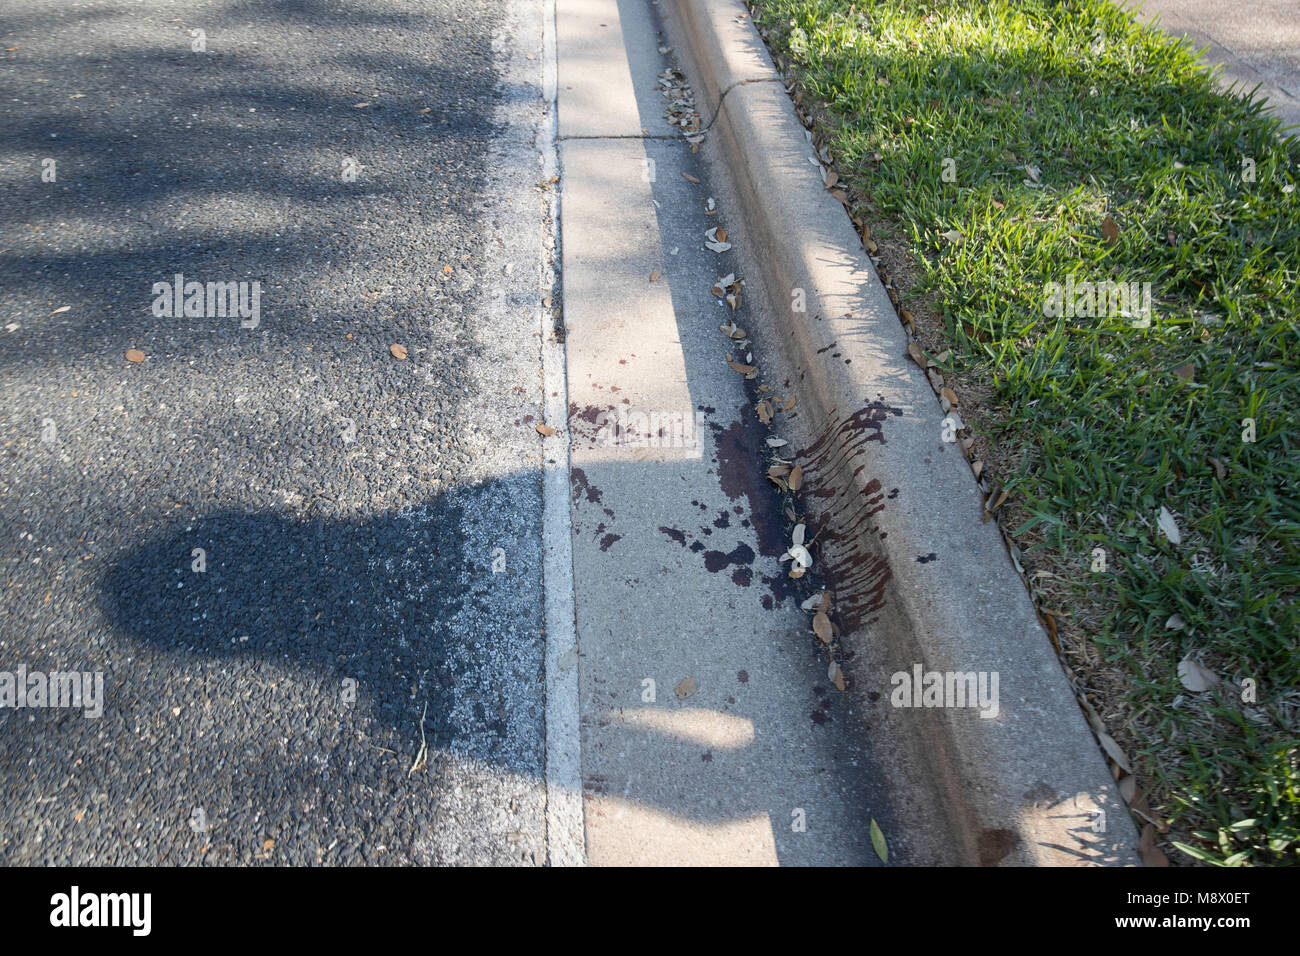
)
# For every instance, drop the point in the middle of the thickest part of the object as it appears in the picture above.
(1121, 123)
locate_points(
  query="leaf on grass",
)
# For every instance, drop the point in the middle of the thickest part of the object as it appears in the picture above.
(1109, 230)
(134, 355)
(796, 478)
(1186, 372)
(1114, 751)
(1169, 526)
(821, 626)
(686, 687)
(397, 351)
(1175, 622)
(1196, 677)
(954, 236)
(988, 513)
(545, 430)
(1220, 471)
(878, 841)
(1151, 854)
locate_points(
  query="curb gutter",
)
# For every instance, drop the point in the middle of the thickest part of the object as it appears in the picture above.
(919, 579)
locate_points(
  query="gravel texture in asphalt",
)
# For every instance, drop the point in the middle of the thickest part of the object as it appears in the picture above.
(276, 540)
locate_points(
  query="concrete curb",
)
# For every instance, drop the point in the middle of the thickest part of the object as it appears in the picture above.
(918, 578)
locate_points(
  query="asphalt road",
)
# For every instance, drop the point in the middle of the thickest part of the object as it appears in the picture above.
(348, 504)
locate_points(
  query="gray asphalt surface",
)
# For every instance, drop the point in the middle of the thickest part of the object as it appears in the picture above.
(349, 503)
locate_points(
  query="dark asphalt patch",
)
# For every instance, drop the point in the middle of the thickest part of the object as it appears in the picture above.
(341, 497)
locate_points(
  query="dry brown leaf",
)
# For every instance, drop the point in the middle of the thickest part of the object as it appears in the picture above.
(427, 109)
(268, 845)
(821, 625)
(721, 234)
(1196, 677)
(685, 687)
(778, 471)
(836, 676)
(1185, 372)
(134, 355)
(1109, 230)
(742, 369)
(545, 430)
(397, 351)
(1114, 751)
(764, 412)
(1151, 854)
(1220, 472)
(949, 394)
(917, 353)
(796, 478)
(789, 404)
(654, 276)
(689, 178)
(907, 318)
(58, 311)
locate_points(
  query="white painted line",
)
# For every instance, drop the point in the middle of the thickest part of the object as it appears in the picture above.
(565, 839)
